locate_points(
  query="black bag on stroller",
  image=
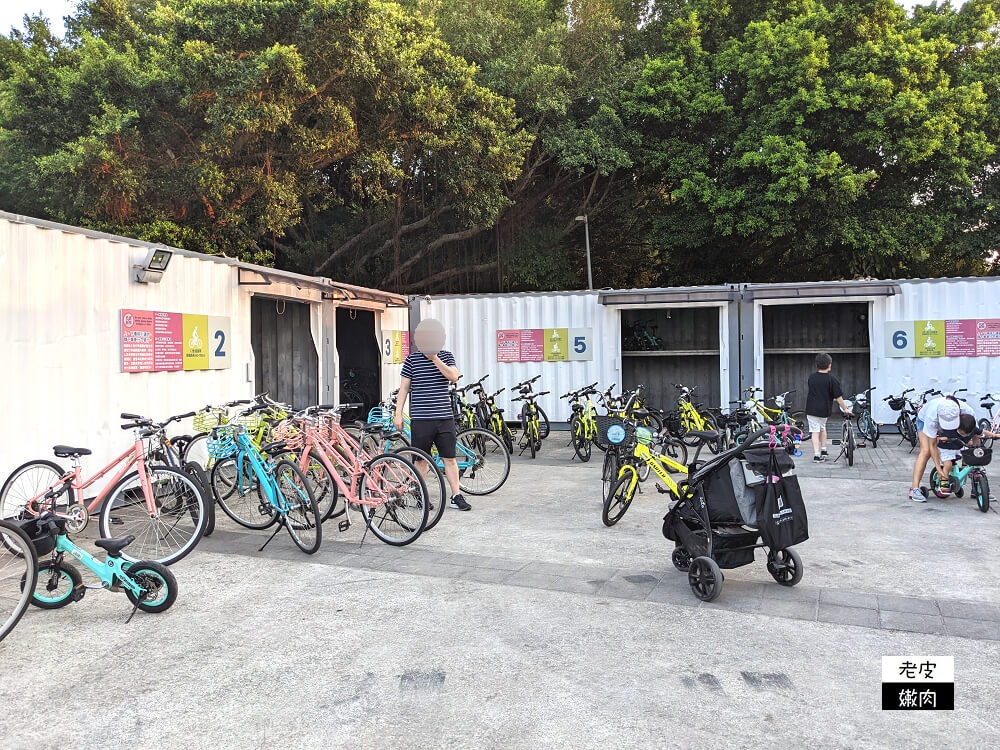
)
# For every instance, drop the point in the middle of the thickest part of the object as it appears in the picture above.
(781, 513)
(739, 496)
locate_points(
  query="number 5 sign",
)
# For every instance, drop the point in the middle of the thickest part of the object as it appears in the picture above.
(899, 339)
(580, 344)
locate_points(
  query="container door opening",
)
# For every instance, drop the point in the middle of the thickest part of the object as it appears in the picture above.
(667, 345)
(795, 334)
(286, 365)
(360, 367)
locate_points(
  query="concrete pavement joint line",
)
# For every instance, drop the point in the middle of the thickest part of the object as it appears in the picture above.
(833, 606)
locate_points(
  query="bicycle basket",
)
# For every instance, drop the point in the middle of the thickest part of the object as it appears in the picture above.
(897, 404)
(221, 443)
(381, 415)
(288, 433)
(38, 532)
(205, 421)
(977, 456)
(615, 431)
(251, 421)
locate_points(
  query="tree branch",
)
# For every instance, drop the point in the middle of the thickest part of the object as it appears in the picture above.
(404, 229)
(425, 283)
(352, 242)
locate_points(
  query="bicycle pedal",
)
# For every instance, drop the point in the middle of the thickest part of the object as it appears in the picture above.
(344, 525)
(662, 490)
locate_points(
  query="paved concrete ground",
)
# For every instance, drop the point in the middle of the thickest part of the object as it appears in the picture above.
(527, 623)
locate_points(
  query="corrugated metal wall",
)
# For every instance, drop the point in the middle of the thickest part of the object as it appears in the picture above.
(60, 297)
(471, 323)
(934, 299)
(61, 293)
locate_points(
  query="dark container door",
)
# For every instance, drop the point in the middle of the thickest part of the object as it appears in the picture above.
(285, 361)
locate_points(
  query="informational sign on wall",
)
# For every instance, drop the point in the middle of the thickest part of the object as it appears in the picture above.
(155, 341)
(966, 337)
(544, 345)
(395, 346)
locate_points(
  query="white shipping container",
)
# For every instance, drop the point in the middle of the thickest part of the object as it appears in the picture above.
(471, 323)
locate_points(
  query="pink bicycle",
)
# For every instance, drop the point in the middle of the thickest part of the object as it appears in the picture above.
(161, 506)
(388, 490)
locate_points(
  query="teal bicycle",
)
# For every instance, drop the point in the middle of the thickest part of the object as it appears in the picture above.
(483, 460)
(258, 491)
(974, 461)
(149, 585)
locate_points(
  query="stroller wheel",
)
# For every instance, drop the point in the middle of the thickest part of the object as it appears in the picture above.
(785, 566)
(681, 559)
(705, 578)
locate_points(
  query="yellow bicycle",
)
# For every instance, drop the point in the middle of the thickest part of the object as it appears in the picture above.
(692, 420)
(637, 442)
(583, 424)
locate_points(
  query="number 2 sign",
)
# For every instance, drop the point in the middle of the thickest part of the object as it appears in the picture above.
(219, 343)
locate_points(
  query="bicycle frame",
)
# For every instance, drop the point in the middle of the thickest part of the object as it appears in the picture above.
(134, 456)
(106, 571)
(467, 461)
(655, 462)
(352, 452)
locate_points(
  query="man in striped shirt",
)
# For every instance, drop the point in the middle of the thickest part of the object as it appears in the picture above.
(427, 372)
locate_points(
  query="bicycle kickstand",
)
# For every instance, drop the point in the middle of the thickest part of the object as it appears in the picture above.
(277, 527)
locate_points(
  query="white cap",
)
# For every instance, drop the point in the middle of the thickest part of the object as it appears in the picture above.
(948, 415)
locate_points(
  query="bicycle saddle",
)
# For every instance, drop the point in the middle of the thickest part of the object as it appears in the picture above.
(65, 451)
(114, 547)
(272, 447)
(702, 434)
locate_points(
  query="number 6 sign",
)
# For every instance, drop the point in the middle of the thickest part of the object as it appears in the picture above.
(899, 339)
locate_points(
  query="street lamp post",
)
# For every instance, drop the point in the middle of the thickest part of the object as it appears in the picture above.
(586, 231)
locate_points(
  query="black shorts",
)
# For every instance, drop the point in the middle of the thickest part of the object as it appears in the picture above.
(439, 432)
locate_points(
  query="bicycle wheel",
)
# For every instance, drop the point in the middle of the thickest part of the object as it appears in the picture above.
(172, 531)
(543, 423)
(981, 491)
(580, 443)
(197, 450)
(984, 424)
(393, 498)
(618, 500)
(483, 462)
(298, 506)
(240, 497)
(437, 488)
(712, 426)
(57, 585)
(18, 575)
(324, 487)
(27, 482)
(675, 450)
(609, 472)
(194, 470)
(158, 584)
(847, 440)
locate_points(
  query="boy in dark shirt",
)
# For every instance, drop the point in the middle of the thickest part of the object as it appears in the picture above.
(824, 389)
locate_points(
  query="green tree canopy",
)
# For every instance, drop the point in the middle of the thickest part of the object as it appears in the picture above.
(429, 145)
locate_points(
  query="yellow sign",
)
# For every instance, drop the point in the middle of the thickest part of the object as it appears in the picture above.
(196, 344)
(397, 347)
(928, 339)
(556, 344)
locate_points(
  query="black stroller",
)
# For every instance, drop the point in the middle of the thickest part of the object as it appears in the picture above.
(743, 499)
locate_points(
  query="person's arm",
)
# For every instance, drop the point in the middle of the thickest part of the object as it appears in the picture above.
(404, 391)
(450, 372)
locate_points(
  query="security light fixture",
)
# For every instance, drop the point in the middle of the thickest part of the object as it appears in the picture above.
(151, 271)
